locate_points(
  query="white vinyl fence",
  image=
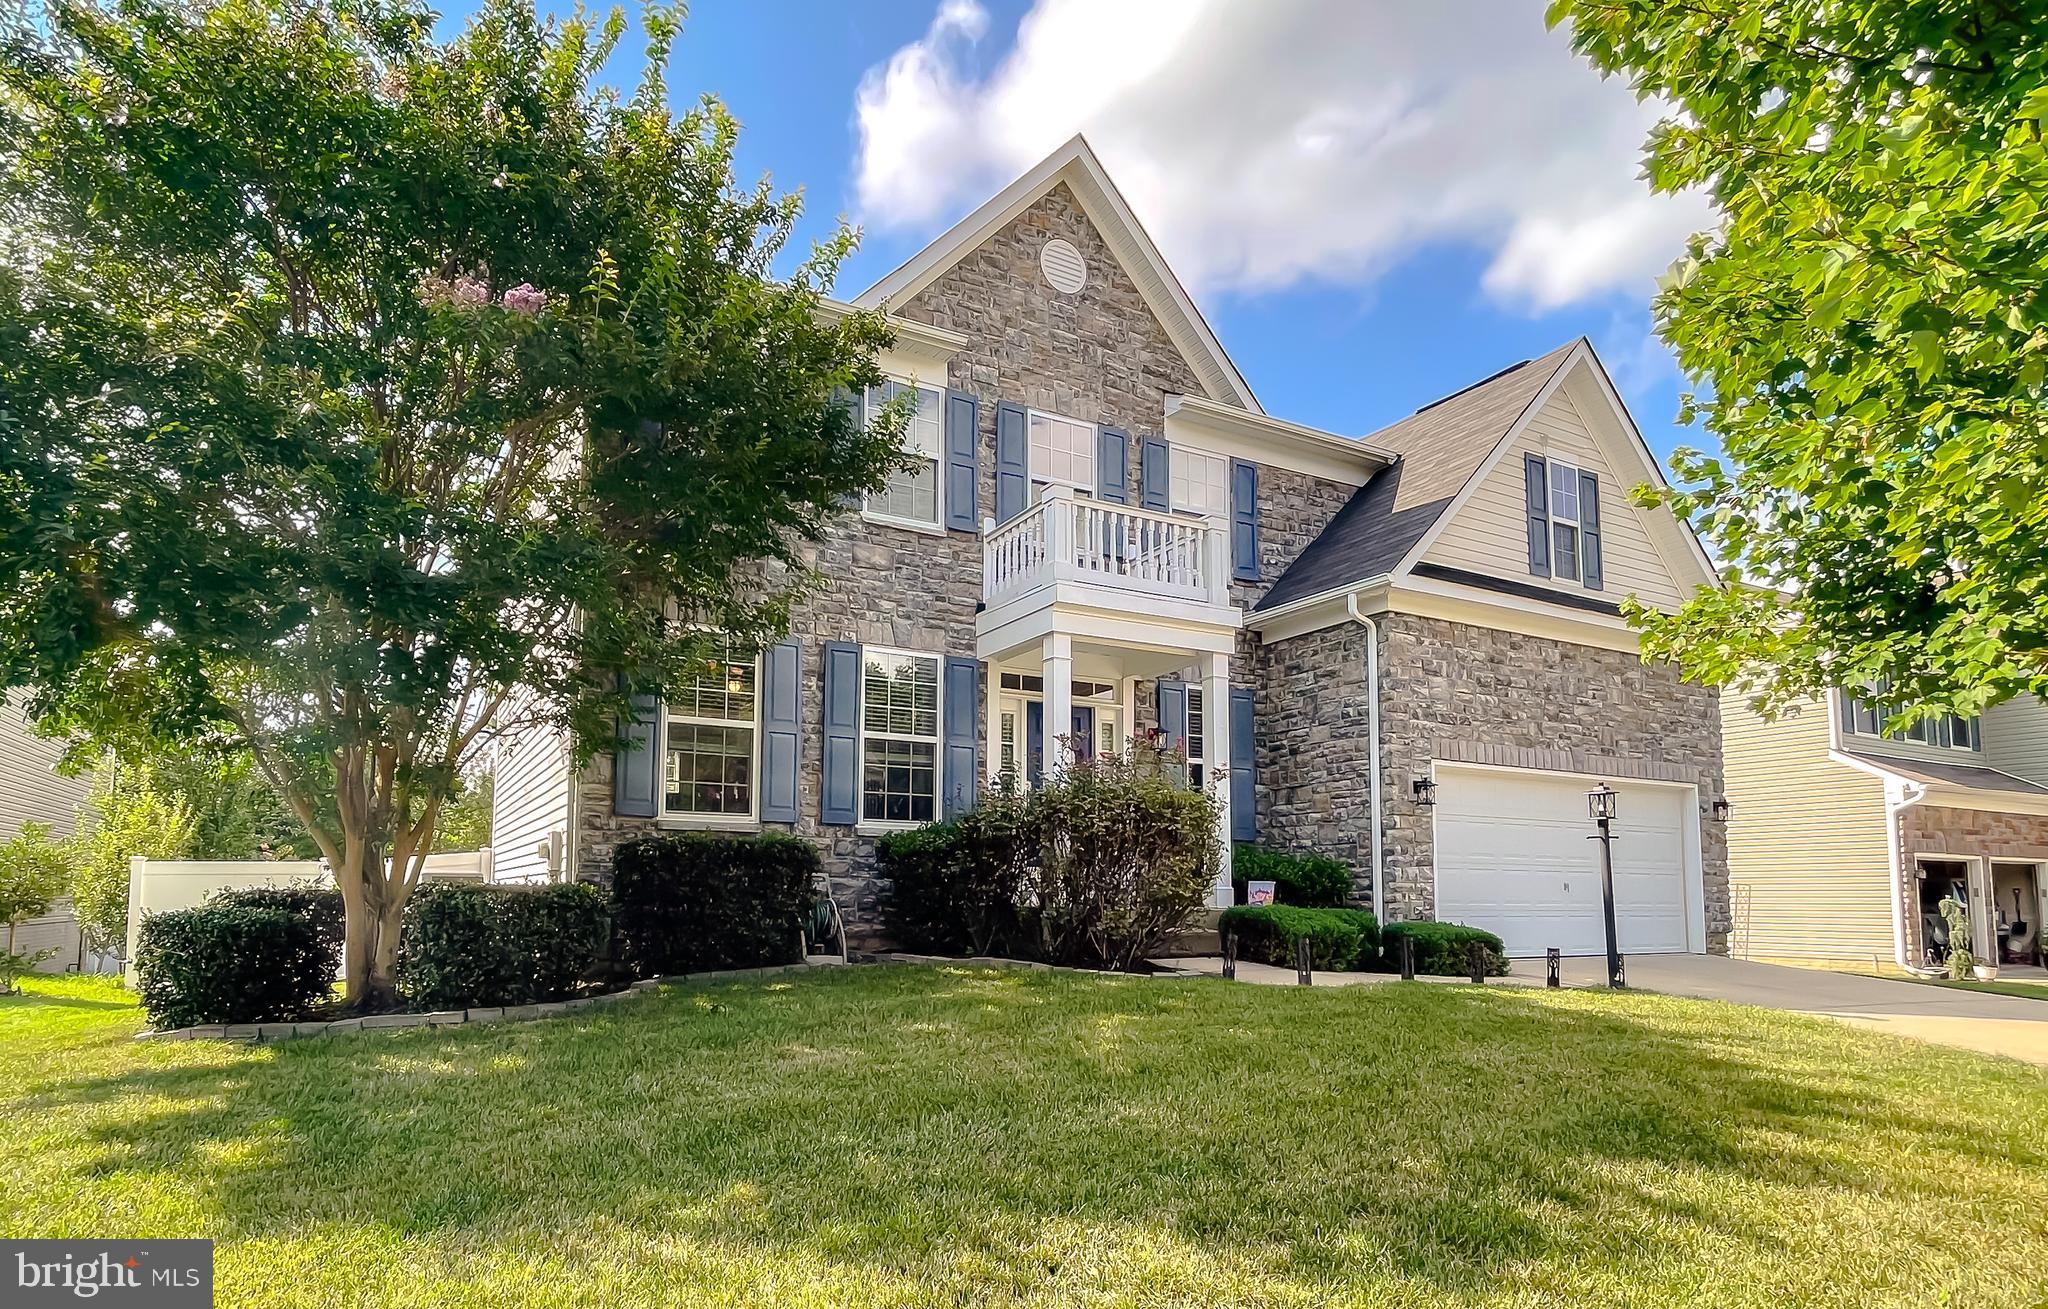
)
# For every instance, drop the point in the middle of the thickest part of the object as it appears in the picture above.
(158, 886)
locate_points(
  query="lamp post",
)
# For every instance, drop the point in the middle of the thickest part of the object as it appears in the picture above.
(1601, 803)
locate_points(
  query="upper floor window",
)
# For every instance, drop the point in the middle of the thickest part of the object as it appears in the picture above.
(912, 494)
(1062, 451)
(1200, 483)
(899, 737)
(1866, 716)
(711, 735)
(1564, 522)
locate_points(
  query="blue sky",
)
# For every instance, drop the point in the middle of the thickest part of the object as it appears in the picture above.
(1374, 204)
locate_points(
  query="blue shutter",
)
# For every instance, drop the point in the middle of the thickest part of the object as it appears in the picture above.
(1013, 461)
(1244, 521)
(963, 460)
(1244, 814)
(782, 675)
(849, 404)
(1536, 478)
(1034, 740)
(962, 740)
(840, 804)
(1173, 713)
(1155, 473)
(1112, 464)
(1589, 530)
(636, 766)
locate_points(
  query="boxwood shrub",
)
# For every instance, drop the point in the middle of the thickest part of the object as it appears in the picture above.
(1313, 880)
(1440, 948)
(234, 962)
(319, 906)
(695, 901)
(957, 887)
(1339, 939)
(466, 945)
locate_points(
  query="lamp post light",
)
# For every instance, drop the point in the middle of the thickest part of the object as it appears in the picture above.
(1603, 803)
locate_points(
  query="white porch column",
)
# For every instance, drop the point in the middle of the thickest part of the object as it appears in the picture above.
(1057, 667)
(992, 720)
(1216, 760)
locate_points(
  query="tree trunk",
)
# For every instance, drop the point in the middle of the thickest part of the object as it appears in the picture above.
(375, 908)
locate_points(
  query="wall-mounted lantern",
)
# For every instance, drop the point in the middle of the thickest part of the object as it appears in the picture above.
(1425, 791)
(1721, 809)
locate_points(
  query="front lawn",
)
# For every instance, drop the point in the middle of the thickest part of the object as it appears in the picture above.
(949, 1137)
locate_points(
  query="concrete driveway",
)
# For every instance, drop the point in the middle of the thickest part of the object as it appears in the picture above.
(1969, 1020)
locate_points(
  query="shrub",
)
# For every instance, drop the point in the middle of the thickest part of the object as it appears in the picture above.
(34, 871)
(1125, 859)
(958, 887)
(1440, 948)
(232, 963)
(1313, 880)
(696, 901)
(466, 946)
(1339, 939)
(320, 906)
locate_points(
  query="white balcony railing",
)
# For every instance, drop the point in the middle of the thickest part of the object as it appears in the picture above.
(1065, 538)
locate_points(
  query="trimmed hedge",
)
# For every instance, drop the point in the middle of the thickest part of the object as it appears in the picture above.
(1440, 948)
(233, 961)
(467, 946)
(696, 901)
(321, 907)
(1339, 939)
(957, 887)
(1311, 880)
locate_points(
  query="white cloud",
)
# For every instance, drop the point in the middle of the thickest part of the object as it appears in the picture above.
(1289, 140)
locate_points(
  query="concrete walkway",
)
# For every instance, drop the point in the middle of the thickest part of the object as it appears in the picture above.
(1968, 1020)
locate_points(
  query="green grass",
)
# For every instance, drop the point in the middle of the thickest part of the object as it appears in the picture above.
(952, 1137)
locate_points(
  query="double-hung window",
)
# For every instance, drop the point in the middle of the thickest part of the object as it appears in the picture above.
(912, 493)
(1200, 483)
(1866, 715)
(712, 740)
(1564, 522)
(899, 737)
(1062, 451)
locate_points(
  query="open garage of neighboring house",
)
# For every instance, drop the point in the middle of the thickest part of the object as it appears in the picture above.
(1515, 854)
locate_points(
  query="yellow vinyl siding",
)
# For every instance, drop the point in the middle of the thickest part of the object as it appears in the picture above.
(1489, 534)
(1807, 856)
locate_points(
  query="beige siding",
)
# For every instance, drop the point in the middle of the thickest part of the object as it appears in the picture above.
(1489, 533)
(30, 789)
(2016, 738)
(1807, 856)
(529, 802)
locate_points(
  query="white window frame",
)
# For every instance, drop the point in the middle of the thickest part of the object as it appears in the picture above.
(1576, 522)
(1179, 457)
(1040, 473)
(1873, 708)
(936, 739)
(1197, 741)
(936, 526)
(750, 819)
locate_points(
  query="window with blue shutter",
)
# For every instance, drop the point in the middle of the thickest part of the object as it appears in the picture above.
(1244, 814)
(782, 669)
(636, 765)
(962, 743)
(1244, 521)
(1535, 475)
(963, 460)
(1155, 474)
(1173, 713)
(1589, 528)
(1013, 460)
(1112, 464)
(840, 803)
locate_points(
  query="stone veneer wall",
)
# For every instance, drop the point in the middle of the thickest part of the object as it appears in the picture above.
(1098, 355)
(1459, 693)
(1936, 831)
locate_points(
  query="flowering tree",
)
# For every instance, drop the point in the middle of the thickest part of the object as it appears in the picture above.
(365, 396)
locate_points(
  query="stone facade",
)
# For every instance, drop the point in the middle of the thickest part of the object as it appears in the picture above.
(1454, 692)
(1937, 831)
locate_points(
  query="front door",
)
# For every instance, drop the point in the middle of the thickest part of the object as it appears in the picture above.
(1095, 729)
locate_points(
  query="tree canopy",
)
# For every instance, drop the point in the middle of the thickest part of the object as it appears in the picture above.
(365, 396)
(1868, 334)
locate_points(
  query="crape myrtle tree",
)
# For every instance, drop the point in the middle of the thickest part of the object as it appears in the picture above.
(365, 396)
(1868, 332)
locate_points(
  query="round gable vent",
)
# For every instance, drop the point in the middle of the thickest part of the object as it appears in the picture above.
(1063, 266)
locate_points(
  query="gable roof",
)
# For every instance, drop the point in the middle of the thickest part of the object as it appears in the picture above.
(1439, 449)
(1075, 164)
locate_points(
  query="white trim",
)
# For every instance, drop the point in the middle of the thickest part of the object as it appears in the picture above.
(905, 524)
(936, 525)
(692, 821)
(1090, 449)
(1977, 879)
(1227, 430)
(1075, 164)
(872, 826)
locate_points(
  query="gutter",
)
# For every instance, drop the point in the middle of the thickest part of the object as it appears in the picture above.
(1372, 720)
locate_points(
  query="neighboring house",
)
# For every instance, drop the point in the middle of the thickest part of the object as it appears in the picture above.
(32, 791)
(1109, 537)
(1844, 839)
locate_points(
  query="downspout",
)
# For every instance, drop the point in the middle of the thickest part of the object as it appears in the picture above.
(1372, 720)
(1911, 793)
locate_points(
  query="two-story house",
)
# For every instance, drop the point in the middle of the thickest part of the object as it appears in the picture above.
(1404, 650)
(1846, 838)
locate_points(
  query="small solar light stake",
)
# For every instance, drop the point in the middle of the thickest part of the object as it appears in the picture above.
(1551, 959)
(1475, 960)
(1301, 958)
(1230, 956)
(1407, 957)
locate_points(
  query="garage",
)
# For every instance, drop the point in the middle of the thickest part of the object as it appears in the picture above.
(1513, 856)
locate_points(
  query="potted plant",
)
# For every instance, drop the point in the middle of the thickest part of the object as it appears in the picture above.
(1961, 964)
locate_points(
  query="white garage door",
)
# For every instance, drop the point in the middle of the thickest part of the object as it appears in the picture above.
(1512, 857)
